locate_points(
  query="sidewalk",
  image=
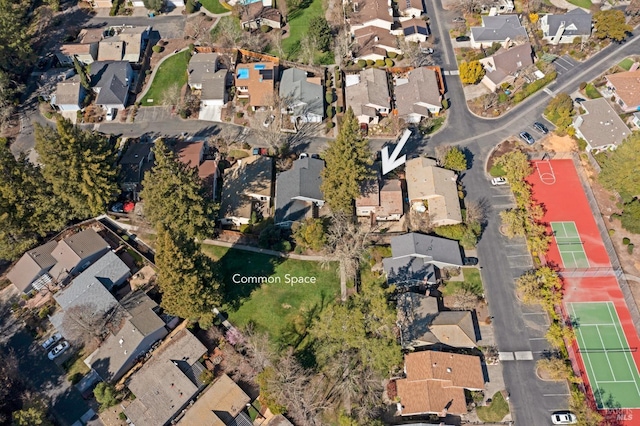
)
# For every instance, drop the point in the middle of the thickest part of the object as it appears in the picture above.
(268, 252)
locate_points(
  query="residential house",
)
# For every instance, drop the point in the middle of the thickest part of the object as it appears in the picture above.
(600, 126)
(498, 29)
(367, 93)
(279, 420)
(90, 35)
(380, 198)
(205, 76)
(423, 324)
(567, 27)
(247, 189)
(110, 49)
(438, 251)
(167, 382)
(433, 189)
(135, 41)
(626, 89)
(84, 53)
(302, 95)
(374, 43)
(636, 120)
(219, 405)
(69, 94)
(256, 14)
(134, 163)
(435, 382)
(200, 66)
(256, 82)
(410, 272)
(141, 329)
(298, 194)
(111, 81)
(374, 13)
(411, 9)
(31, 272)
(195, 155)
(414, 30)
(503, 66)
(420, 94)
(75, 253)
(494, 7)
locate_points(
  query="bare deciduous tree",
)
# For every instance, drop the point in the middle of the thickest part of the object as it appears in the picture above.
(467, 6)
(276, 41)
(87, 324)
(416, 56)
(464, 300)
(308, 47)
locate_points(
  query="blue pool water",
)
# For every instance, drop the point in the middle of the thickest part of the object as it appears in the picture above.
(243, 73)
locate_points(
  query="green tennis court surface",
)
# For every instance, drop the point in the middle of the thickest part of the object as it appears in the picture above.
(613, 374)
(569, 245)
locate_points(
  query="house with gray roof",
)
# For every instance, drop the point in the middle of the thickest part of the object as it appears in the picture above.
(498, 29)
(134, 163)
(600, 126)
(201, 65)
(111, 81)
(303, 96)
(504, 65)
(31, 272)
(565, 28)
(247, 188)
(69, 94)
(420, 94)
(441, 252)
(76, 252)
(298, 193)
(409, 271)
(367, 93)
(168, 382)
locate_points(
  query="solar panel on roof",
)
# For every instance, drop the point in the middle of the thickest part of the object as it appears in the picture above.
(409, 31)
(423, 31)
(259, 66)
(267, 74)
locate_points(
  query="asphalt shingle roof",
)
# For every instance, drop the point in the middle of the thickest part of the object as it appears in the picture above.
(306, 97)
(111, 78)
(31, 264)
(576, 22)
(500, 27)
(427, 246)
(297, 188)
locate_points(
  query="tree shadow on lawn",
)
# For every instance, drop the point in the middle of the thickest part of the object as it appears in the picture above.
(299, 10)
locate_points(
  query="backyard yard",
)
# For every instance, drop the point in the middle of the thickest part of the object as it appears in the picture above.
(472, 283)
(278, 305)
(214, 6)
(170, 76)
(299, 25)
(626, 64)
(585, 4)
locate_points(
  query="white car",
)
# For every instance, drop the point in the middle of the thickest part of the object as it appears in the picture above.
(51, 340)
(58, 350)
(111, 114)
(499, 181)
(564, 418)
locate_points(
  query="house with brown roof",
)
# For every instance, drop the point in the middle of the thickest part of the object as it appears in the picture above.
(414, 30)
(255, 15)
(219, 405)
(504, 65)
(247, 189)
(411, 9)
(110, 50)
(600, 126)
(168, 382)
(435, 382)
(374, 13)
(84, 53)
(76, 253)
(424, 324)
(374, 43)
(69, 94)
(433, 189)
(380, 198)
(256, 82)
(195, 155)
(367, 93)
(420, 94)
(31, 272)
(626, 89)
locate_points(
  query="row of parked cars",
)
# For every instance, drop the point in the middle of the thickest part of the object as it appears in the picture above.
(57, 344)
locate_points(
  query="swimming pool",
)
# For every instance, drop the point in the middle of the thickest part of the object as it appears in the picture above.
(243, 73)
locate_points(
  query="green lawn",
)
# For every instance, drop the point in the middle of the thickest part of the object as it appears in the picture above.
(626, 64)
(472, 282)
(299, 25)
(495, 411)
(282, 308)
(586, 4)
(172, 72)
(75, 366)
(592, 92)
(214, 6)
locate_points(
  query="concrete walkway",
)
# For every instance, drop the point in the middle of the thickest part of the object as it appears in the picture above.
(268, 252)
(564, 4)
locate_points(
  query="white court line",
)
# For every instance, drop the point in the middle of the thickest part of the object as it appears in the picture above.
(626, 356)
(607, 355)
(594, 385)
(618, 381)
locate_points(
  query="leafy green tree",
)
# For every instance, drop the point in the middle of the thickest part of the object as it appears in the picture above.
(34, 413)
(190, 6)
(513, 222)
(174, 197)
(154, 5)
(80, 166)
(611, 24)
(516, 166)
(630, 217)
(471, 72)
(310, 234)
(542, 286)
(187, 278)
(105, 395)
(320, 31)
(455, 159)
(347, 165)
(620, 169)
(560, 111)
(556, 368)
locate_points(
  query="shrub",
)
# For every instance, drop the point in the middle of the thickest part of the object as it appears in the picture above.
(582, 144)
(245, 228)
(339, 109)
(388, 62)
(380, 63)
(400, 57)
(43, 312)
(370, 62)
(626, 241)
(445, 103)
(105, 395)
(392, 55)
(583, 85)
(519, 97)
(239, 114)
(265, 28)
(122, 416)
(329, 97)
(157, 48)
(611, 232)
(362, 63)
(630, 249)
(339, 84)
(192, 47)
(330, 111)
(245, 145)
(453, 232)
(190, 6)
(330, 125)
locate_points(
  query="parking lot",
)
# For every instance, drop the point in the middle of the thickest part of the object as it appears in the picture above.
(153, 114)
(564, 64)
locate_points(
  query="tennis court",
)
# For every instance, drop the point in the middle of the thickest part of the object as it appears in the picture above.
(569, 245)
(608, 359)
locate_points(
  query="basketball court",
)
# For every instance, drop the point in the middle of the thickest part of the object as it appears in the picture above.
(569, 245)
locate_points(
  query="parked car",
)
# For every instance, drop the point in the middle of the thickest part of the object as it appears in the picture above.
(470, 261)
(117, 208)
(427, 50)
(540, 127)
(128, 206)
(527, 138)
(580, 100)
(316, 156)
(304, 155)
(459, 19)
(260, 151)
(462, 38)
(58, 350)
(564, 418)
(499, 181)
(52, 340)
(111, 114)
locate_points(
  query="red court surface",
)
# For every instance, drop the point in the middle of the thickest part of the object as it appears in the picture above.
(564, 200)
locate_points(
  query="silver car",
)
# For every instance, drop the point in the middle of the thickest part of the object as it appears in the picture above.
(51, 340)
(58, 350)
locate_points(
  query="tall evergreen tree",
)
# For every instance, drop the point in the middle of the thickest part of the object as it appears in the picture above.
(80, 165)
(80, 70)
(174, 197)
(347, 165)
(187, 278)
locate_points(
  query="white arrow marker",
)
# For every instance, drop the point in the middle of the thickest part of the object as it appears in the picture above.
(390, 163)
